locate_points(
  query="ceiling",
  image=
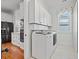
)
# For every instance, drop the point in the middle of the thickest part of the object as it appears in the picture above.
(55, 6)
(10, 5)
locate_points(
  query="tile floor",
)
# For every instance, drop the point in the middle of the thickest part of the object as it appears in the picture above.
(64, 50)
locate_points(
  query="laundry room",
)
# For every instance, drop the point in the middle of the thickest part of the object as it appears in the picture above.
(39, 29)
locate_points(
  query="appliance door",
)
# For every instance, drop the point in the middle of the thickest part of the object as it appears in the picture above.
(38, 46)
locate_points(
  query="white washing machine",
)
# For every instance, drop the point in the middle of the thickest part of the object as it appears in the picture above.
(42, 44)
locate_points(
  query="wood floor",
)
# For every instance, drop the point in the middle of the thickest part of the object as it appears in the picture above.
(14, 52)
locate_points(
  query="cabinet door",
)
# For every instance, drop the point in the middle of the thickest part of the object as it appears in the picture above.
(31, 11)
(46, 18)
(41, 15)
(37, 7)
(49, 20)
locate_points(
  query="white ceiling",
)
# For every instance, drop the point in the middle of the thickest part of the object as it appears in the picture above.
(54, 6)
(10, 5)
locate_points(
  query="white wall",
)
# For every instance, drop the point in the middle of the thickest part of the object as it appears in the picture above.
(62, 37)
(6, 17)
(19, 14)
(75, 26)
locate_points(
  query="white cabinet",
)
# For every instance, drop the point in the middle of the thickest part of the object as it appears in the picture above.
(16, 39)
(31, 11)
(48, 19)
(42, 15)
(34, 12)
(50, 22)
(45, 17)
(38, 14)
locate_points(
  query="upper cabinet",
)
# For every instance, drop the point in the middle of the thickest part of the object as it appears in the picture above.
(31, 11)
(38, 14)
(42, 15)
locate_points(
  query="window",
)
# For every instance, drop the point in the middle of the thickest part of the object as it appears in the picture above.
(64, 21)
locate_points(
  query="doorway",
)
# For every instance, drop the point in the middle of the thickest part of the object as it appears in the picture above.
(6, 30)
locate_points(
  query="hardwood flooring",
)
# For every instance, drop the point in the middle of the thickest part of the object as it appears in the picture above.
(13, 53)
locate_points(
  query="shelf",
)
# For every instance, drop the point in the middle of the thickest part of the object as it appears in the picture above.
(40, 24)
